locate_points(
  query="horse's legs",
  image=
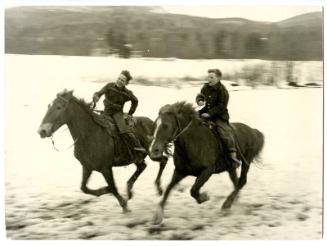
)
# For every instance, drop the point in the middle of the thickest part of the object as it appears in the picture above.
(243, 177)
(233, 176)
(139, 169)
(86, 175)
(177, 177)
(163, 163)
(242, 181)
(108, 175)
(199, 182)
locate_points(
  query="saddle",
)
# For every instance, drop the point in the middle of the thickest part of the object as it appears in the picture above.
(108, 123)
(213, 127)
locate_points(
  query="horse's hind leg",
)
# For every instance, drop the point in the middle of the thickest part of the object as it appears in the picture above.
(242, 181)
(243, 177)
(139, 169)
(157, 182)
(233, 176)
(199, 182)
(86, 175)
(108, 175)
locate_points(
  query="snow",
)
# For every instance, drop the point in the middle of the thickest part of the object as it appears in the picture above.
(282, 199)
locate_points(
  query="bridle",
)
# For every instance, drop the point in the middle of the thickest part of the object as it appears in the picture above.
(52, 139)
(63, 99)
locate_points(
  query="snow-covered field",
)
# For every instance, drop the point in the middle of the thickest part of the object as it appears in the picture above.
(282, 199)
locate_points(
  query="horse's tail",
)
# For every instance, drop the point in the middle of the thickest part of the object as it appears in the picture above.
(145, 128)
(261, 142)
(255, 139)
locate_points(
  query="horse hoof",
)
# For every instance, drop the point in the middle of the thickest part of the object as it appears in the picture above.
(126, 210)
(157, 219)
(226, 205)
(203, 197)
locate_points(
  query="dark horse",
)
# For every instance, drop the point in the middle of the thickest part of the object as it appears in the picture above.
(94, 146)
(198, 152)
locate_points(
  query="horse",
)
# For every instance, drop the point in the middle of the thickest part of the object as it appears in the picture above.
(95, 145)
(199, 152)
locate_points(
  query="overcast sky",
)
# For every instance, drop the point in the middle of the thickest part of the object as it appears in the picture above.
(258, 13)
(203, 8)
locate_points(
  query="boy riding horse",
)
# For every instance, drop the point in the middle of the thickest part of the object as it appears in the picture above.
(116, 94)
(215, 97)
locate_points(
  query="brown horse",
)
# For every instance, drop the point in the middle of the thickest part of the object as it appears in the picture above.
(198, 152)
(95, 148)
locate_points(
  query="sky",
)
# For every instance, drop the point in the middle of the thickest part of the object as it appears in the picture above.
(257, 13)
(248, 9)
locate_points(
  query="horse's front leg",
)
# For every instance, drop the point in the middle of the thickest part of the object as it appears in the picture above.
(86, 175)
(199, 182)
(177, 177)
(139, 169)
(109, 177)
(163, 163)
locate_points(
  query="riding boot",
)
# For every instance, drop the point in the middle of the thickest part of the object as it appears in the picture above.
(136, 143)
(235, 162)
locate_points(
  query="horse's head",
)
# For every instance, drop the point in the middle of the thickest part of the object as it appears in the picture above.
(171, 122)
(55, 116)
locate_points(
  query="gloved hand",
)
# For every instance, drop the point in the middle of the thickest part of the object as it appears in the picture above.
(95, 98)
(92, 105)
(129, 117)
(200, 103)
(205, 115)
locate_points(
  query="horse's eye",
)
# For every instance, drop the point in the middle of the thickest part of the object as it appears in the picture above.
(58, 108)
(164, 126)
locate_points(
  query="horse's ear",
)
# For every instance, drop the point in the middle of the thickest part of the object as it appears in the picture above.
(70, 93)
(62, 93)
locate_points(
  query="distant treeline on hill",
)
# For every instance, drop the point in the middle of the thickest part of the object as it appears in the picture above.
(150, 32)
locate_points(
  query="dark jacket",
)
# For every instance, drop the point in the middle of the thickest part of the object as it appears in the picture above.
(216, 100)
(116, 98)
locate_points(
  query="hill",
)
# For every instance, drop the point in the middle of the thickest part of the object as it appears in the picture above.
(151, 32)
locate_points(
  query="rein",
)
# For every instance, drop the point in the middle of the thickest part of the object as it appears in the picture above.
(181, 131)
(54, 146)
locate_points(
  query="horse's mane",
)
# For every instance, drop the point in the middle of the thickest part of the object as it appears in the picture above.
(99, 119)
(68, 95)
(182, 107)
(83, 104)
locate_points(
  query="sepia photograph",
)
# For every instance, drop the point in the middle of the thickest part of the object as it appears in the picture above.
(163, 122)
